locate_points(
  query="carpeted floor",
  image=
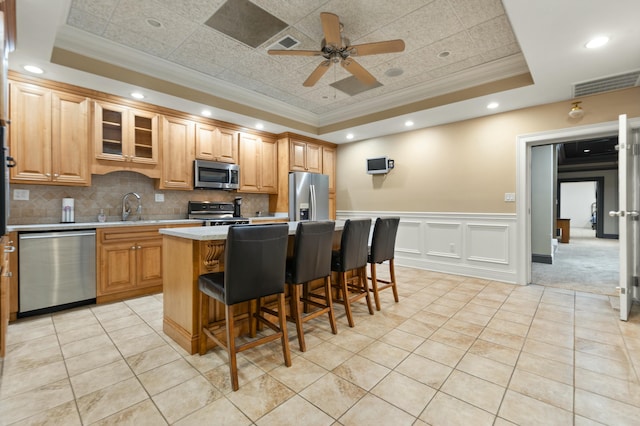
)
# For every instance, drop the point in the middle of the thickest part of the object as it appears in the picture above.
(586, 264)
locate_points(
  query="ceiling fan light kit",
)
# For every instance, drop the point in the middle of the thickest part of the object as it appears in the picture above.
(337, 48)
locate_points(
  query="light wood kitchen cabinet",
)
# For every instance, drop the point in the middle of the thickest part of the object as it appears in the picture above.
(129, 262)
(125, 139)
(258, 161)
(305, 156)
(7, 246)
(49, 136)
(216, 144)
(329, 167)
(178, 141)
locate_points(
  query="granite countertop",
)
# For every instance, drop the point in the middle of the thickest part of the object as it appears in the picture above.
(95, 225)
(208, 233)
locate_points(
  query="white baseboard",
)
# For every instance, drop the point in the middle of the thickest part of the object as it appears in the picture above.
(480, 245)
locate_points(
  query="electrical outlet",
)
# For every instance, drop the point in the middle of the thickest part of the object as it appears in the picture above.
(159, 198)
(510, 197)
(21, 194)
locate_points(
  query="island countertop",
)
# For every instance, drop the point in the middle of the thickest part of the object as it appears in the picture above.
(208, 233)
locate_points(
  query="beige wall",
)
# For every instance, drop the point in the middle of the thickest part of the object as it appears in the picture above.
(465, 166)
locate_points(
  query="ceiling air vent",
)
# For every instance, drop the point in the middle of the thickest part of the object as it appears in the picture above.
(352, 86)
(287, 42)
(616, 82)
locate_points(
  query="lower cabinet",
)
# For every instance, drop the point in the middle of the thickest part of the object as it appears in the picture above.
(129, 262)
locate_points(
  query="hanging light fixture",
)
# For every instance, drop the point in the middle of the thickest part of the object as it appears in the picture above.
(576, 110)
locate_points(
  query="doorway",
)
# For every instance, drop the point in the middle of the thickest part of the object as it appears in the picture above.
(581, 258)
(524, 145)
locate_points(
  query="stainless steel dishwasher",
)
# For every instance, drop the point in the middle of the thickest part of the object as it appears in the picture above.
(57, 270)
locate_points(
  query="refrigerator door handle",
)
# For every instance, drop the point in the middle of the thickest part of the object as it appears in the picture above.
(313, 202)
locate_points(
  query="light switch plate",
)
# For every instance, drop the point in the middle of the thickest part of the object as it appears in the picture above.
(21, 194)
(159, 198)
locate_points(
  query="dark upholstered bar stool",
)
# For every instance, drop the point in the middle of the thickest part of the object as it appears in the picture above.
(311, 260)
(254, 267)
(382, 249)
(352, 256)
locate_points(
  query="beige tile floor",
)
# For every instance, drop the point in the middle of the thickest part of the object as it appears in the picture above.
(455, 350)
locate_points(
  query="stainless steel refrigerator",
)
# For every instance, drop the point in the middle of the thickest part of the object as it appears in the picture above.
(308, 196)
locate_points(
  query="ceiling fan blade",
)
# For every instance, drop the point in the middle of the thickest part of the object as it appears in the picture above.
(389, 46)
(317, 73)
(358, 71)
(331, 29)
(295, 52)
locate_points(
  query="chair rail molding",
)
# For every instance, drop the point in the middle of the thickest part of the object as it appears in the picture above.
(480, 245)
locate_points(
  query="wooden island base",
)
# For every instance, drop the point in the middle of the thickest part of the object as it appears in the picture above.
(185, 258)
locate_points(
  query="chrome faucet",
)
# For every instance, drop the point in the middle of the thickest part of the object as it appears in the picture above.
(126, 208)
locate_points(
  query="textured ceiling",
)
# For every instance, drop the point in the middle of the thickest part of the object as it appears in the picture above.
(518, 53)
(473, 33)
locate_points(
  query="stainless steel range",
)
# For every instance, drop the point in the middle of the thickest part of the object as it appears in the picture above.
(214, 213)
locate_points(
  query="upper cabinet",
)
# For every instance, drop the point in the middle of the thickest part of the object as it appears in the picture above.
(178, 141)
(305, 156)
(258, 161)
(216, 144)
(329, 166)
(125, 139)
(54, 150)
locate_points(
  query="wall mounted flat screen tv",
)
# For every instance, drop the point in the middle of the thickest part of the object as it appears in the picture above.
(378, 165)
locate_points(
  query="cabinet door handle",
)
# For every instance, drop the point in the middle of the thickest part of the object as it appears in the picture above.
(138, 247)
(133, 247)
(9, 249)
(56, 175)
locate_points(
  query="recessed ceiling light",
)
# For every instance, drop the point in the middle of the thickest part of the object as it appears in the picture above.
(408, 123)
(444, 54)
(137, 95)
(493, 105)
(394, 72)
(349, 136)
(154, 23)
(586, 151)
(33, 69)
(596, 42)
(259, 126)
(206, 113)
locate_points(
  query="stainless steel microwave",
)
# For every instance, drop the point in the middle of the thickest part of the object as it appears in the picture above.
(215, 175)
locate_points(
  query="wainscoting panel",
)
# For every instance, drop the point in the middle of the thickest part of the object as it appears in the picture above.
(443, 239)
(472, 244)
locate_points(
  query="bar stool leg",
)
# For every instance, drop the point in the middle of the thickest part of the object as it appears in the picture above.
(374, 284)
(362, 274)
(282, 317)
(294, 303)
(392, 272)
(345, 297)
(231, 348)
(329, 303)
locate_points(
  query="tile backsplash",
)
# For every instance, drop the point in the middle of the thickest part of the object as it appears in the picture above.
(106, 192)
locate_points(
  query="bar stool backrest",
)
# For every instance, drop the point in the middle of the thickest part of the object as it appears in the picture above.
(383, 241)
(255, 261)
(312, 252)
(354, 244)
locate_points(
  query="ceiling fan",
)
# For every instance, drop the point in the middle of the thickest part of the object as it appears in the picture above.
(336, 48)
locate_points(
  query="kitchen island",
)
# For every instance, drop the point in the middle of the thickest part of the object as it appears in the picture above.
(188, 253)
